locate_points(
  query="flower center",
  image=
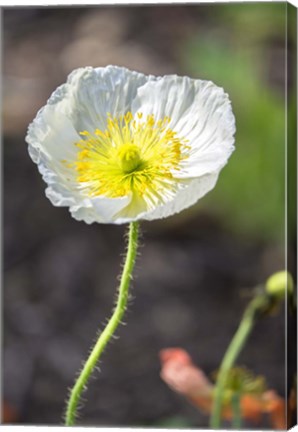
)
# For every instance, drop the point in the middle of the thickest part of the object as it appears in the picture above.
(129, 155)
(132, 156)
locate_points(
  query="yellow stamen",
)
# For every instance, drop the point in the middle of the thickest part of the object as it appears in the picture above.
(137, 155)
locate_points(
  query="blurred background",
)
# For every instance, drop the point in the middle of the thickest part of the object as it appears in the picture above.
(197, 270)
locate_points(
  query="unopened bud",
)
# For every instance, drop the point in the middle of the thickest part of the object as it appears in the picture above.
(280, 283)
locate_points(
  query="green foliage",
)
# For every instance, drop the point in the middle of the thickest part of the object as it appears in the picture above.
(253, 22)
(250, 194)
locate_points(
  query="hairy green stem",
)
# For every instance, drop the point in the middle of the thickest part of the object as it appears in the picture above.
(109, 330)
(256, 307)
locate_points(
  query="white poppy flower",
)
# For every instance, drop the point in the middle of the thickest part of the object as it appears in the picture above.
(117, 146)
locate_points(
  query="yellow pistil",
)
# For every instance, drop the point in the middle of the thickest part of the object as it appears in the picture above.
(129, 155)
(132, 155)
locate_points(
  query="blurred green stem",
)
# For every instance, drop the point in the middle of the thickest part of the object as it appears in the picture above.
(105, 336)
(257, 306)
(236, 408)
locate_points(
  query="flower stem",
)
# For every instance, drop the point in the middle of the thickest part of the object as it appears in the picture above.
(109, 330)
(236, 408)
(257, 306)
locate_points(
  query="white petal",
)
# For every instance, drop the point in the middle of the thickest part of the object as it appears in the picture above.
(52, 139)
(200, 112)
(184, 198)
(132, 211)
(193, 190)
(60, 197)
(100, 209)
(81, 103)
(96, 209)
(52, 135)
(89, 94)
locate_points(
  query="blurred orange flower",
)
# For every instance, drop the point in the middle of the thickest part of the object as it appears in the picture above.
(9, 413)
(183, 376)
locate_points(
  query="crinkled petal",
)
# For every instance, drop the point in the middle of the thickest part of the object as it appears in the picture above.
(82, 103)
(192, 191)
(100, 209)
(52, 136)
(52, 139)
(90, 94)
(186, 197)
(200, 112)
(89, 209)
